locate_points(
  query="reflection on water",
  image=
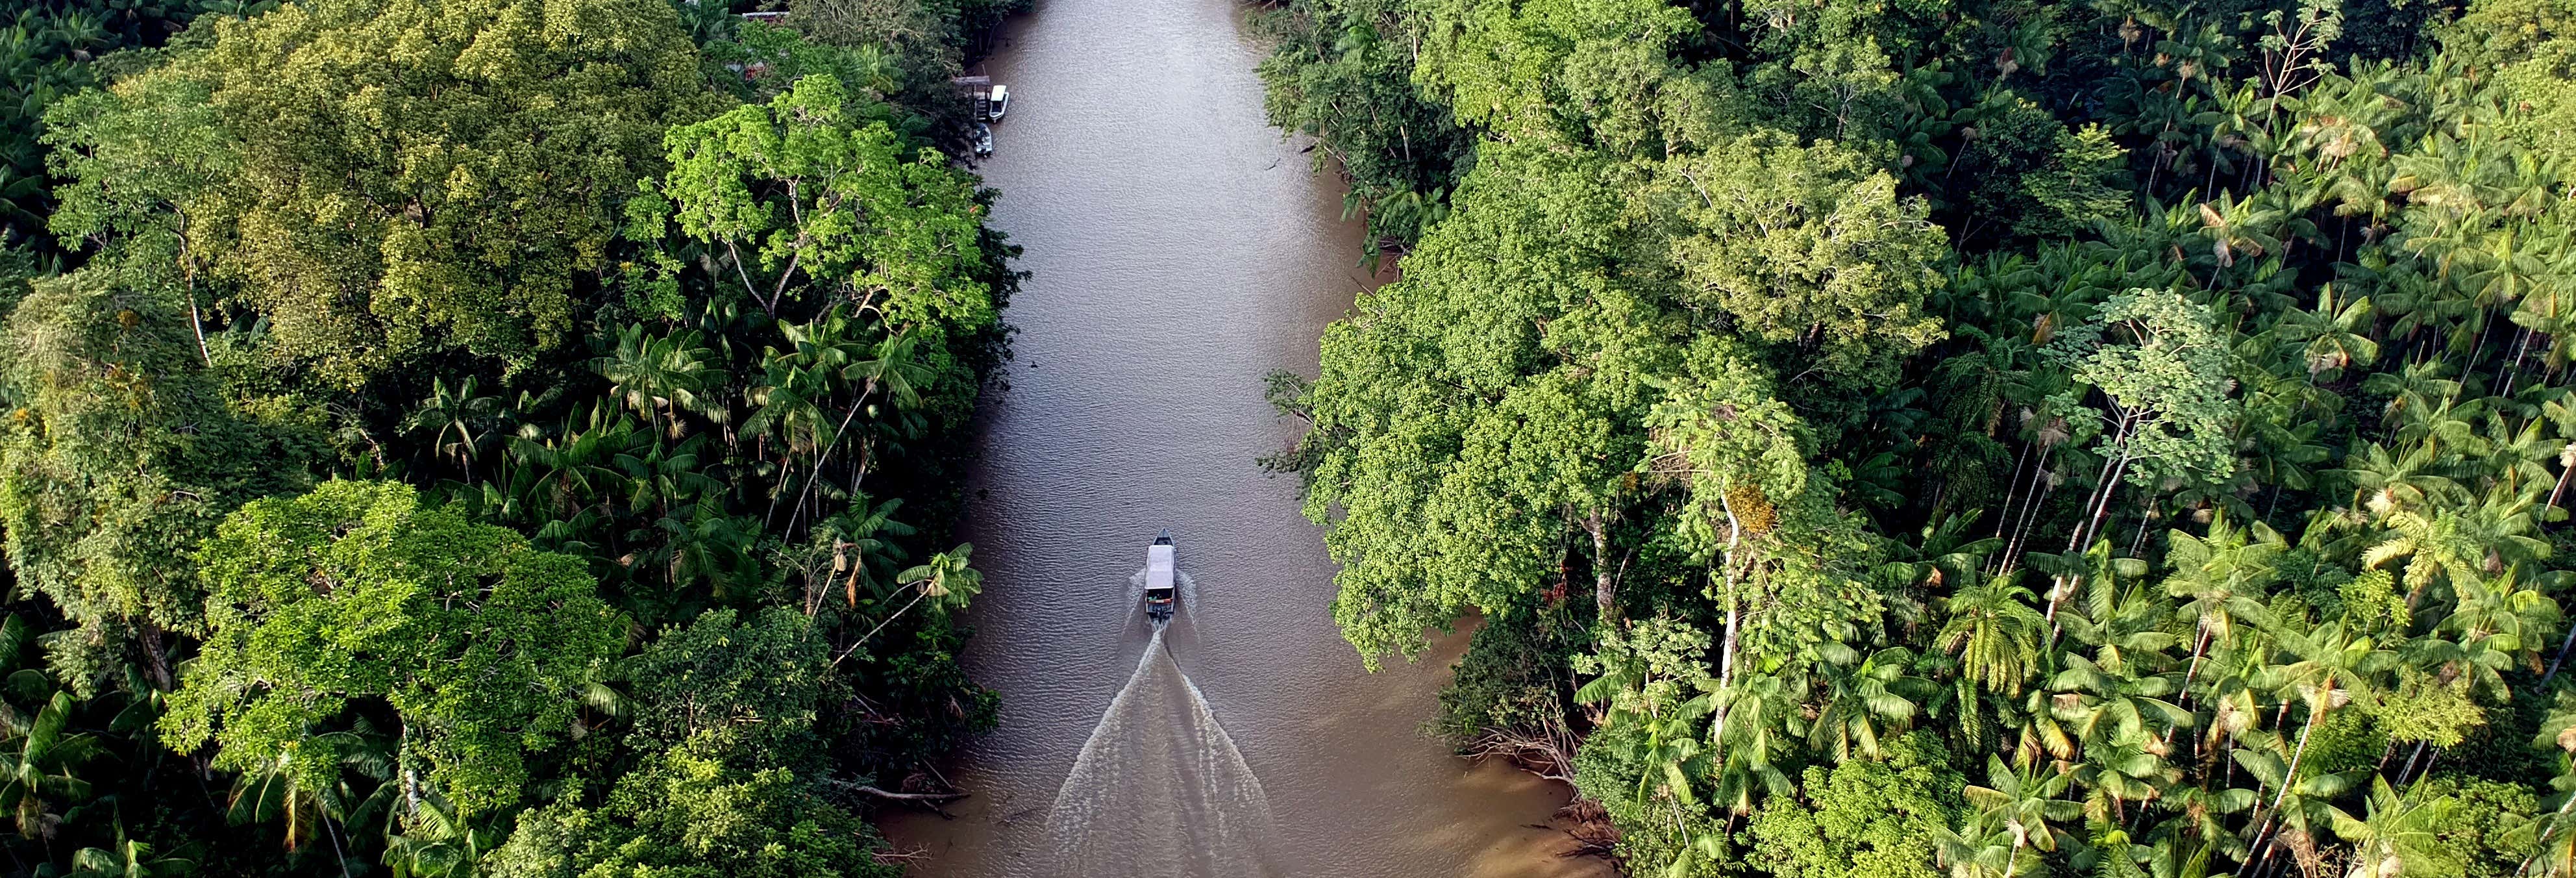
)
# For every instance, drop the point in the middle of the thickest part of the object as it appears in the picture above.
(1160, 789)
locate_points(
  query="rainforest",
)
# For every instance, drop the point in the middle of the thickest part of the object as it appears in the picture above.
(1765, 438)
(1982, 439)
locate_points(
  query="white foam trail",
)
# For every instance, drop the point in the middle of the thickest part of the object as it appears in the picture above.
(1160, 791)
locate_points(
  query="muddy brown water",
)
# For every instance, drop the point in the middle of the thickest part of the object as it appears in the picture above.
(1179, 251)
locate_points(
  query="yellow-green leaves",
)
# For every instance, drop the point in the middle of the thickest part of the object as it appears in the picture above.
(382, 178)
(1809, 248)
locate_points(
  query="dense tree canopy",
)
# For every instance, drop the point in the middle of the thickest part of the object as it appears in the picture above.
(398, 175)
(402, 477)
(2168, 400)
(353, 598)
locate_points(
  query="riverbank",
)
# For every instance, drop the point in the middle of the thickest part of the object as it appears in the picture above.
(1179, 252)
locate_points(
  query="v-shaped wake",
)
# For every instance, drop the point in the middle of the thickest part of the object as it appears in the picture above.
(1160, 790)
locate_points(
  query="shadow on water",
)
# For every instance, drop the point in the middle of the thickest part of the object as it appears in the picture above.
(1160, 789)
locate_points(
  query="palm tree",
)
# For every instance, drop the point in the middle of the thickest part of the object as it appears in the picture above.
(435, 840)
(2551, 837)
(2024, 804)
(270, 793)
(1995, 633)
(945, 576)
(1866, 700)
(460, 423)
(2225, 576)
(2113, 703)
(2200, 814)
(858, 538)
(2385, 483)
(2334, 667)
(658, 376)
(128, 859)
(1757, 715)
(2301, 805)
(2109, 853)
(892, 366)
(2452, 547)
(2113, 774)
(37, 766)
(1980, 849)
(2400, 836)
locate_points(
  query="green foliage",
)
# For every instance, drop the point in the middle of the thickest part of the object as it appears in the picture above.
(403, 176)
(692, 811)
(1341, 73)
(394, 240)
(2169, 414)
(52, 49)
(1577, 71)
(1810, 249)
(1508, 695)
(123, 451)
(2084, 184)
(723, 674)
(2478, 834)
(353, 599)
(2168, 400)
(813, 198)
(1865, 817)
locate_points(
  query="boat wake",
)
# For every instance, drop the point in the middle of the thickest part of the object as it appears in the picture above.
(1160, 790)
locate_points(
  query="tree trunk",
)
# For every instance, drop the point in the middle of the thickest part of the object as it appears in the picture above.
(1605, 595)
(2003, 518)
(907, 797)
(2065, 585)
(2292, 775)
(2409, 767)
(1726, 648)
(2561, 489)
(2555, 662)
(156, 656)
(2196, 649)
(918, 594)
(825, 455)
(2029, 514)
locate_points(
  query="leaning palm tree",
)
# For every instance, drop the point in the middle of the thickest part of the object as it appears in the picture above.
(944, 577)
(2335, 667)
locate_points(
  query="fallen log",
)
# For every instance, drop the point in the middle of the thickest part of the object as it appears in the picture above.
(906, 797)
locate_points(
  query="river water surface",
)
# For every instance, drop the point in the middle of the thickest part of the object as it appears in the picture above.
(1179, 251)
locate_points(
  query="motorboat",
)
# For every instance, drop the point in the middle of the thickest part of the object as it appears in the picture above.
(1159, 577)
(997, 103)
(983, 139)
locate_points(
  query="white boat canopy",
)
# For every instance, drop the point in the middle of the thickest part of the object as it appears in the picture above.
(1158, 567)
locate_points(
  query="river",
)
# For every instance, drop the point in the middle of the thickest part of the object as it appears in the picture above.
(1179, 251)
